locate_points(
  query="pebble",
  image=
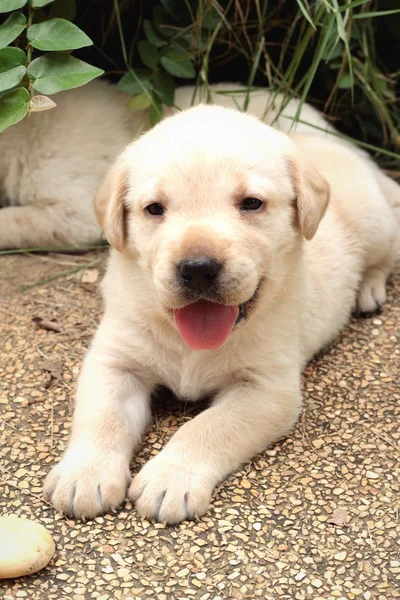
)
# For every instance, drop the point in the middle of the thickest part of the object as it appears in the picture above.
(25, 547)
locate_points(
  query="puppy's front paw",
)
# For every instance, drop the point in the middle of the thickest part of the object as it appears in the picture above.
(169, 489)
(87, 483)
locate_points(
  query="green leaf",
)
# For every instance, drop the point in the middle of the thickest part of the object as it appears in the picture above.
(149, 54)
(155, 111)
(9, 5)
(64, 9)
(177, 63)
(11, 78)
(162, 22)
(164, 87)
(11, 28)
(140, 102)
(39, 3)
(11, 58)
(135, 82)
(152, 35)
(13, 107)
(57, 34)
(176, 8)
(345, 82)
(54, 73)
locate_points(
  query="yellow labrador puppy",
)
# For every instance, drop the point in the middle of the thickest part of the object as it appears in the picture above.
(230, 269)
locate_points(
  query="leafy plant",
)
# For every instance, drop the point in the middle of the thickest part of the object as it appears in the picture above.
(165, 53)
(21, 75)
(321, 51)
(340, 56)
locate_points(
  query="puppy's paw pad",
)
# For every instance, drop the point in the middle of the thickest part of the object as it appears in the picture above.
(87, 485)
(166, 491)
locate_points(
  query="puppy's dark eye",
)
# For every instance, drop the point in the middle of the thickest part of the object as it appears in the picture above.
(251, 204)
(155, 209)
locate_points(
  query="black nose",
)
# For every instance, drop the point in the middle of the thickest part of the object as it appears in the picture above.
(199, 273)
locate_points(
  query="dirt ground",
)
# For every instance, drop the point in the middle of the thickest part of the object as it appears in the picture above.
(273, 530)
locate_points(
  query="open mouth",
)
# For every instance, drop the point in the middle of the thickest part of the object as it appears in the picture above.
(206, 325)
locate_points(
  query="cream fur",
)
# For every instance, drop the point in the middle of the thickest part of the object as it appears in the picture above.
(198, 164)
(52, 163)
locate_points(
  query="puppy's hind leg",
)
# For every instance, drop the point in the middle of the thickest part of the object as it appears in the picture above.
(372, 293)
(46, 225)
(384, 249)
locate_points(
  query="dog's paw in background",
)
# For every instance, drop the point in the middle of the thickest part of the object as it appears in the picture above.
(171, 489)
(87, 482)
(372, 294)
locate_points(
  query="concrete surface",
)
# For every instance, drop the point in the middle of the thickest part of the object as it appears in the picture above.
(268, 533)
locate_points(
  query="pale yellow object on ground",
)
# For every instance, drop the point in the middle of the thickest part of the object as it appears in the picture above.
(25, 547)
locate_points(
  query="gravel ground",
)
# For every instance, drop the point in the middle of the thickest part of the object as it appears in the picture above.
(273, 530)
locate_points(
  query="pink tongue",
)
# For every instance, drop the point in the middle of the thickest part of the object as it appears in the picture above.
(205, 325)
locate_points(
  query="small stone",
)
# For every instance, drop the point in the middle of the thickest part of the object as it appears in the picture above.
(108, 569)
(183, 572)
(341, 555)
(372, 475)
(25, 547)
(90, 276)
(340, 517)
(300, 576)
(257, 526)
(316, 583)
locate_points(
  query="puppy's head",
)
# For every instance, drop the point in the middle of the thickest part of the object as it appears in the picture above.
(211, 204)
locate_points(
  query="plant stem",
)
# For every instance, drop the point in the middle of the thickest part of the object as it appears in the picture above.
(29, 47)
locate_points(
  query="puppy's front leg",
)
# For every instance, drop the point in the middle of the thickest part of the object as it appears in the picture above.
(111, 413)
(243, 420)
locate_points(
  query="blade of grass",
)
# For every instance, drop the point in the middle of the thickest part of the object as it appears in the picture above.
(318, 56)
(67, 249)
(353, 4)
(377, 13)
(46, 280)
(341, 29)
(253, 71)
(126, 61)
(305, 13)
(360, 143)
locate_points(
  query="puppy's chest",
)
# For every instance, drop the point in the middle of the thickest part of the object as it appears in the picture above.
(191, 377)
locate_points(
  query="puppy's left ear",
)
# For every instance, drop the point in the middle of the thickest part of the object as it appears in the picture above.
(110, 207)
(312, 195)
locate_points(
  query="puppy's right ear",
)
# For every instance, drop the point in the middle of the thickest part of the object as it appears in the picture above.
(110, 207)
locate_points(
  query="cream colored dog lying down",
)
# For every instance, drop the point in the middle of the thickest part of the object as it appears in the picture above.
(52, 163)
(224, 280)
